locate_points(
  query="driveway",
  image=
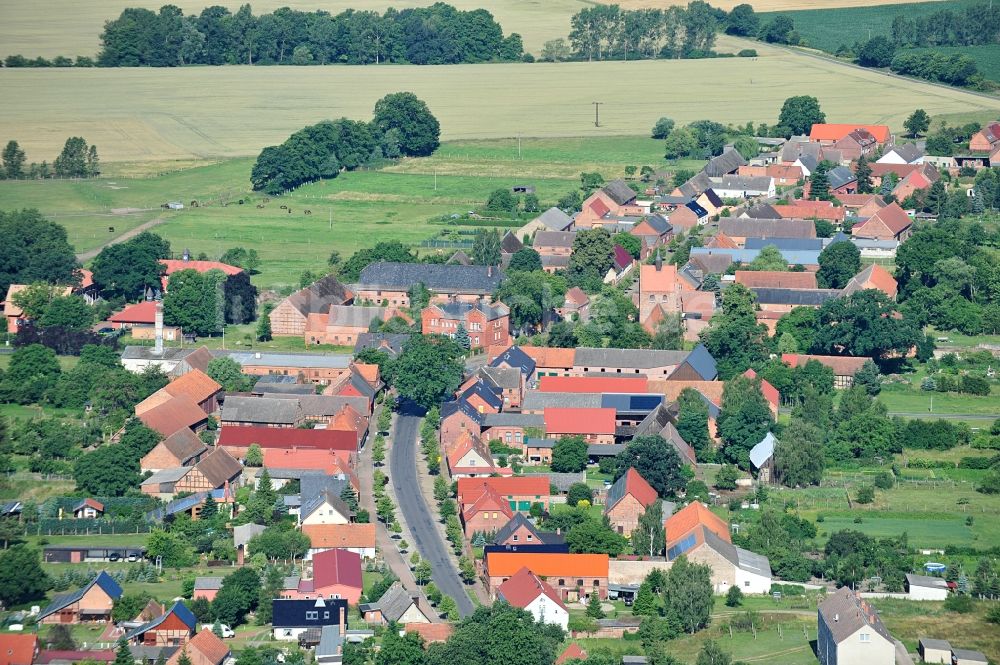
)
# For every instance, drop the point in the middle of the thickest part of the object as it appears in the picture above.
(416, 512)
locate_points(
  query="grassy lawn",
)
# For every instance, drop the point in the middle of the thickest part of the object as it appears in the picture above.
(910, 399)
(65, 362)
(244, 336)
(26, 412)
(928, 532)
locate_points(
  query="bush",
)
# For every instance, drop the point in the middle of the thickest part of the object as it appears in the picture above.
(959, 603)
(734, 597)
(747, 53)
(866, 494)
(884, 480)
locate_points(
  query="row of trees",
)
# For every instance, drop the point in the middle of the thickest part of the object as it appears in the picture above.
(972, 25)
(435, 35)
(607, 32)
(77, 160)
(402, 126)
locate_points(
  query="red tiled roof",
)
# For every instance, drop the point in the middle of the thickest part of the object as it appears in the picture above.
(835, 132)
(894, 218)
(325, 536)
(577, 296)
(205, 648)
(776, 279)
(17, 649)
(721, 241)
(800, 210)
(176, 265)
(195, 384)
(172, 415)
(572, 652)
(302, 458)
(505, 564)
(465, 444)
(144, 312)
(524, 587)
(599, 207)
(50, 655)
(288, 437)
(769, 392)
(337, 567)
(637, 486)
(431, 632)
(902, 170)
(841, 365)
(592, 384)
(487, 500)
(691, 516)
(652, 280)
(469, 489)
(859, 200)
(579, 421)
(86, 278)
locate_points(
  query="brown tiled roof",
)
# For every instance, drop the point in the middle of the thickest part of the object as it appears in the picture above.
(845, 614)
(218, 467)
(776, 279)
(894, 218)
(195, 384)
(524, 587)
(325, 536)
(431, 632)
(841, 365)
(173, 414)
(205, 648)
(184, 444)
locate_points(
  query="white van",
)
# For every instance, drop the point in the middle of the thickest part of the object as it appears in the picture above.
(226, 630)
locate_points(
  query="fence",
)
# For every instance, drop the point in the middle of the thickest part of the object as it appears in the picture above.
(88, 527)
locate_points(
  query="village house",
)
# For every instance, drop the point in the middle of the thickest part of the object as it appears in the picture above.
(904, 153)
(850, 631)
(88, 509)
(207, 588)
(593, 384)
(775, 279)
(594, 425)
(688, 216)
(468, 456)
(844, 367)
(166, 414)
(307, 367)
(741, 228)
(552, 219)
(627, 500)
(842, 181)
(554, 244)
(572, 576)
(293, 618)
(785, 175)
(830, 134)
(924, 587)
(487, 513)
(986, 139)
(93, 602)
(357, 538)
(342, 324)
(727, 163)
(14, 314)
(205, 648)
(236, 440)
(519, 492)
(873, 277)
(195, 384)
(576, 306)
(182, 448)
(740, 187)
(806, 209)
(862, 206)
(214, 471)
(520, 535)
(389, 284)
(172, 629)
(658, 289)
(291, 317)
(324, 508)
(397, 605)
(607, 203)
(485, 324)
(336, 575)
(529, 592)
(857, 143)
(240, 411)
(18, 649)
(652, 231)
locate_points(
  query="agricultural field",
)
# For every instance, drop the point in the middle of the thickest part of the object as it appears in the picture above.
(827, 26)
(141, 115)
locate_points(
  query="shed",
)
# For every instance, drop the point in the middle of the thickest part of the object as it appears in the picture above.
(968, 657)
(934, 651)
(762, 458)
(925, 587)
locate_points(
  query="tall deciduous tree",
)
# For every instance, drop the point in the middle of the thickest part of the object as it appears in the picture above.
(34, 250)
(688, 593)
(865, 323)
(917, 123)
(863, 172)
(13, 160)
(428, 369)
(419, 131)
(129, 268)
(744, 421)
(656, 461)
(800, 113)
(798, 455)
(21, 575)
(648, 537)
(734, 338)
(692, 423)
(569, 455)
(593, 255)
(838, 263)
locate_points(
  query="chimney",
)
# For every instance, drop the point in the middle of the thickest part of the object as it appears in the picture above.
(659, 260)
(343, 620)
(239, 556)
(158, 321)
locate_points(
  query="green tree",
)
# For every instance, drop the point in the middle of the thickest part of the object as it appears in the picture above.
(500, 201)
(656, 461)
(648, 537)
(645, 601)
(60, 638)
(869, 378)
(917, 123)
(769, 258)
(692, 423)
(742, 21)
(662, 128)
(800, 113)
(254, 456)
(819, 183)
(838, 263)
(866, 494)
(13, 160)
(798, 454)
(418, 130)
(569, 455)
(467, 570)
(865, 323)
(428, 369)
(744, 421)
(712, 654)
(688, 593)
(680, 143)
(726, 478)
(734, 338)
(629, 243)
(34, 250)
(525, 260)
(734, 597)
(579, 492)
(129, 268)
(21, 575)
(110, 470)
(68, 312)
(72, 161)
(33, 370)
(593, 255)
(123, 656)
(263, 332)
(876, 52)
(592, 536)
(229, 374)
(462, 337)
(34, 300)
(594, 609)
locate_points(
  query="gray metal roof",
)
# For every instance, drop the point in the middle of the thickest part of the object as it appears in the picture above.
(458, 310)
(244, 532)
(702, 362)
(167, 476)
(763, 451)
(535, 400)
(440, 278)
(541, 443)
(784, 243)
(605, 449)
(146, 353)
(749, 227)
(803, 257)
(969, 655)
(752, 562)
(512, 419)
(926, 581)
(619, 191)
(840, 176)
(555, 219)
(270, 410)
(208, 583)
(314, 485)
(390, 343)
(331, 643)
(929, 643)
(394, 602)
(746, 183)
(300, 360)
(562, 481)
(809, 297)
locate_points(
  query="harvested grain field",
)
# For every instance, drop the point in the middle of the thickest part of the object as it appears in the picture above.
(210, 112)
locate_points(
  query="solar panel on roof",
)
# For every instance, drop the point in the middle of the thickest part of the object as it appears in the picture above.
(645, 402)
(681, 547)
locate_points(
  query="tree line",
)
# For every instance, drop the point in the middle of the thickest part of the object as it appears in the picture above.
(608, 32)
(435, 35)
(402, 126)
(77, 160)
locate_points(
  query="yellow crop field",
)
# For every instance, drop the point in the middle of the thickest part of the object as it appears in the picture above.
(210, 112)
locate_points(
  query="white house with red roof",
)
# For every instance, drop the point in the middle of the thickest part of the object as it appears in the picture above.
(529, 592)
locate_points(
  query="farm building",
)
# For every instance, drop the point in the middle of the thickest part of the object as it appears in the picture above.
(91, 603)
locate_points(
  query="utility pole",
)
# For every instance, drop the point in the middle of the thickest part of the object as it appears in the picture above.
(519, 146)
(597, 113)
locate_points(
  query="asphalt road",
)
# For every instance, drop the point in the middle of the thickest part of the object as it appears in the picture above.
(429, 541)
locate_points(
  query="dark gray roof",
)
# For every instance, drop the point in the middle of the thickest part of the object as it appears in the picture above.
(293, 389)
(746, 183)
(908, 151)
(697, 209)
(184, 445)
(512, 419)
(627, 358)
(270, 410)
(440, 278)
(784, 243)
(605, 449)
(966, 655)
(391, 343)
(762, 211)
(840, 176)
(448, 409)
(659, 223)
(728, 162)
(844, 615)
(714, 263)
(219, 467)
(702, 362)
(631, 403)
(510, 244)
(310, 505)
(326, 405)
(541, 443)
(696, 185)
(319, 296)
(102, 580)
(926, 581)
(502, 377)
(359, 316)
(315, 484)
(929, 643)
(535, 400)
(555, 262)
(619, 191)
(394, 602)
(242, 533)
(485, 391)
(809, 161)
(807, 297)
(615, 493)
(555, 219)
(748, 227)
(515, 523)
(458, 310)
(554, 239)
(515, 357)
(461, 258)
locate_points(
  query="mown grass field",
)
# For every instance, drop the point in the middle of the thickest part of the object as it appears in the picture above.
(827, 26)
(213, 112)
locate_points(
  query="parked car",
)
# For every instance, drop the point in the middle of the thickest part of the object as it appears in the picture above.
(226, 630)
